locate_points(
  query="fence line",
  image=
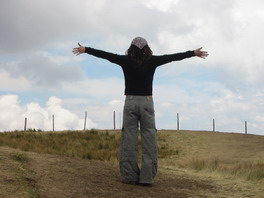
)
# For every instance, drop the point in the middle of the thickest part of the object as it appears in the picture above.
(178, 124)
(114, 122)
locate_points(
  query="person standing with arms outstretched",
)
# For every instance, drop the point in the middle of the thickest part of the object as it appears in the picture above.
(138, 65)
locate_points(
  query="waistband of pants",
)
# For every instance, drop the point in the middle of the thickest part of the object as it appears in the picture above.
(130, 97)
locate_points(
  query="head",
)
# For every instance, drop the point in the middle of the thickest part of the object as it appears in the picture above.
(139, 50)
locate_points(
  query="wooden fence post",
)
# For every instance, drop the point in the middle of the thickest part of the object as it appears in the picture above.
(178, 122)
(25, 125)
(53, 122)
(114, 121)
(85, 117)
(245, 127)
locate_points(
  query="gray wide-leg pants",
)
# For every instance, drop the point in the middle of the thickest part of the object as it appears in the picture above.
(138, 111)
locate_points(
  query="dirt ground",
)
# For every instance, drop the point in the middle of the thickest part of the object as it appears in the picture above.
(52, 176)
(56, 176)
(82, 178)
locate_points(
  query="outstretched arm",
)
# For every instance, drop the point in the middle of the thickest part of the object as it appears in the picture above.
(202, 54)
(114, 58)
(78, 50)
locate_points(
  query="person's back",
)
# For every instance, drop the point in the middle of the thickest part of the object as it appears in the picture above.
(138, 65)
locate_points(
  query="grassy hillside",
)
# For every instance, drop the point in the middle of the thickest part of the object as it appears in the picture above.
(227, 153)
(87, 145)
(93, 144)
(233, 162)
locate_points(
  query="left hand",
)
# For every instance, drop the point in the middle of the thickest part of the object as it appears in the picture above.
(78, 50)
(202, 54)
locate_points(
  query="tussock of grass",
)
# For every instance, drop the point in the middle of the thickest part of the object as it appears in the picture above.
(250, 171)
(22, 157)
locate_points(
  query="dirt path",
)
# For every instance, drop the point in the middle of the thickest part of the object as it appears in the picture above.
(67, 177)
(51, 176)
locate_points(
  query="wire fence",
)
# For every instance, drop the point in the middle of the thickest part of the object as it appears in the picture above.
(115, 123)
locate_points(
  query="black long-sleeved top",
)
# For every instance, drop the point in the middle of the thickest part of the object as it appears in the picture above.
(138, 78)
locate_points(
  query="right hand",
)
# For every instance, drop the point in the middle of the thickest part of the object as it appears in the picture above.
(202, 54)
(78, 50)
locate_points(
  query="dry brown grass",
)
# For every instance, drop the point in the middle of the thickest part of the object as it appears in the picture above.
(93, 144)
(228, 153)
(233, 161)
(59, 176)
(87, 145)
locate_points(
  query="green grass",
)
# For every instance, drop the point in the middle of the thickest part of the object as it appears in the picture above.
(21, 157)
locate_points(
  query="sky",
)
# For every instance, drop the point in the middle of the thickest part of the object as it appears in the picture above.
(40, 77)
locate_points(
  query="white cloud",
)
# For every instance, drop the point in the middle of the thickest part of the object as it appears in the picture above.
(41, 71)
(36, 43)
(10, 112)
(117, 103)
(99, 111)
(97, 88)
(164, 5)
(9, 83)
(13, 115)
(198, 108)
(35, 24)
(166, 105)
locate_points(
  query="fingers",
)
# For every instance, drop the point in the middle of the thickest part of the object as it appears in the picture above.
(78, 50)
(204, 54)
(75, 51)
(200, 53)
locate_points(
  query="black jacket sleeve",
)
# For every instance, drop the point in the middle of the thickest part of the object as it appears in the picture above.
(114, 58)
(167, 58)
